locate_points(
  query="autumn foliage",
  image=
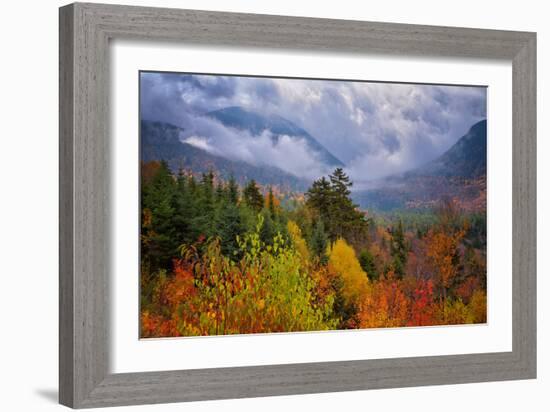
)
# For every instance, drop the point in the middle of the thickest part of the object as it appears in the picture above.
(217, 260)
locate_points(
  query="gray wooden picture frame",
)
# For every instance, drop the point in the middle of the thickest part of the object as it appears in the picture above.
(85, 31)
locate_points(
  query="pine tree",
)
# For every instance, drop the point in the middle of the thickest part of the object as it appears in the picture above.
(158, 201)
(220, 192)
(319, 197)
(366, 260)
(184, 210)
(345, 218)
(271, 203)
(252, 196)
(207, 185)
(203, 221)
(267, 232)
(229, 225)
(331, 199)
(398, 250)
(319, 241)
(192, 184)
(340, 183)
(233, 190)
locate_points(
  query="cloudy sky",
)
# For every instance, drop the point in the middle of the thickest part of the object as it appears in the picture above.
(376, 129)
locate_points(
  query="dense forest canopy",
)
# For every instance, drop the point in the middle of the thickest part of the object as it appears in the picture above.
(219, 257)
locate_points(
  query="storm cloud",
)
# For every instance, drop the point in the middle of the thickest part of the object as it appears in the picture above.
(376, 129)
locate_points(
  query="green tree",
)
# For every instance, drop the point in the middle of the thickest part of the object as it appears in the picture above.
(159, 240)
(192, 184)
(398, 249)
(229, 225)
(267, 232)
(207, 186)
(319, 197)
(233, 190)
(203, 220)
(185, 211)
(366, 260)
(340, 183)
(271, 203)
(347, 219)
(220, 192)
(319, 241)
(252, 196)
(332, 200)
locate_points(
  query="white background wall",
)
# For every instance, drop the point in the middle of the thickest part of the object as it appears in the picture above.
(28, 205)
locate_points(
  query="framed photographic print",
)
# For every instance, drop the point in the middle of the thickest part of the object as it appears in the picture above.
(250, 224)
(257, 205)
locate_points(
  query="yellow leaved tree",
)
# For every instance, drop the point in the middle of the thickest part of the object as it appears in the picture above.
(298, 241)
(343, 260)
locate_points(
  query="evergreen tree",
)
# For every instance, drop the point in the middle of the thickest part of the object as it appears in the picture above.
(192, 184)
(252, 196)
(267, 232)
(342, 209)
(184, 210)
(331, 198)
(271, 203)
(347, 219)
(229, 225)
(366, 260)
(233, 190)
(220, 192)
(340, 183)
(398, 250)
(181, 180)
(319, 197)
(207, 186)
(319, 242)
(203, 220)
(159, 237)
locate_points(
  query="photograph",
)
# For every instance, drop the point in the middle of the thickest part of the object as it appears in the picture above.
(273, 204)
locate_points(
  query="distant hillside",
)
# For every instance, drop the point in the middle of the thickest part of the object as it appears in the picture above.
(255, 124)
(466, 158)
(161, 141)
(458, 173)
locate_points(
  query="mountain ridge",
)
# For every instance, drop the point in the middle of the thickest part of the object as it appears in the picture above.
(460, 172)
(255, 123)
(466, 158)
(161, 141)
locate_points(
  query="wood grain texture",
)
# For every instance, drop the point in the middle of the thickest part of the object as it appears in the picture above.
(524, 225)
(66, 229)
(85, 31)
